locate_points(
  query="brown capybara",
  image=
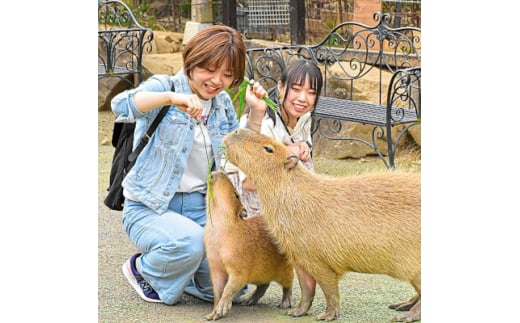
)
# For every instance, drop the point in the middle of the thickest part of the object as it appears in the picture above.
(368, 223)
(240, 251)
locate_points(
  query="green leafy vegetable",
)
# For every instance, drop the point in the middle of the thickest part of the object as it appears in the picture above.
(241, 95)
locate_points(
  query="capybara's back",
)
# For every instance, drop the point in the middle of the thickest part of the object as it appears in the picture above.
(367, 223)
(240, 251)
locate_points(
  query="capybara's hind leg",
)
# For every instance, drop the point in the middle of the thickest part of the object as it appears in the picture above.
(287, 298)
(329, 285)
(328, 281)
(406, 305)
(259, 292)
(308, 289)
(409, 304)
(413, 315)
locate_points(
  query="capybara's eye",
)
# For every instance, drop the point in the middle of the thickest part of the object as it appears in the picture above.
(268, 149)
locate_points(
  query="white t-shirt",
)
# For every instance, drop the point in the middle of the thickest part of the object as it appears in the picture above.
(197, 166)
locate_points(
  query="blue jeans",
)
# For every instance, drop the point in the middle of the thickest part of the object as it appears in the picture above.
(172, 245)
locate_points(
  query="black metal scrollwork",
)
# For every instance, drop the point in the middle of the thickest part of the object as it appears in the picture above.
(122, 42)
(353, 53)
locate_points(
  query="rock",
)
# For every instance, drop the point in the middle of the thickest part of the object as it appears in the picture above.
(165, 42)
(169, 63)
(108, 87)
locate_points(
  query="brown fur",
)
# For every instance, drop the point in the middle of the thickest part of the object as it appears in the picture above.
(368, 223)
(240, 251)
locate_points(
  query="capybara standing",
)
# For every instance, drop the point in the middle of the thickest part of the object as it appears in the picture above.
(368, 223)
(240, 251)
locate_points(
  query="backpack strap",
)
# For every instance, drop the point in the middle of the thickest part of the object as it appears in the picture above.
(148, 134)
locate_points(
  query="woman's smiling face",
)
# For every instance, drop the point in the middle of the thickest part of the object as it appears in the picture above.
(208, 82)
(298, 99)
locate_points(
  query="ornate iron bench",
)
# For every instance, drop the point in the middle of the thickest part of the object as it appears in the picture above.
(121, 41)
(349, 54)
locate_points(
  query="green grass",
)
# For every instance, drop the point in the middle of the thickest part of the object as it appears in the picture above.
(410, 162)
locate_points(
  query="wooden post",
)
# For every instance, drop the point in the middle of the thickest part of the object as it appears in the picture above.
(297, 21)
(340, 12)
(229, 13)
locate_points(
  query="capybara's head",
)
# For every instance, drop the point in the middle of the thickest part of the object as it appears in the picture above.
(223, 198)
(255, 153)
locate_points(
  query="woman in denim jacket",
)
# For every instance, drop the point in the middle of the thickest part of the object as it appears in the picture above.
(164, 211)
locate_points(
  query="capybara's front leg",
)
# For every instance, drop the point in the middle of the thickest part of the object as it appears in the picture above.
(259, 292)
(218, 279)
(308, 289)
(413, 315)
(232, 287)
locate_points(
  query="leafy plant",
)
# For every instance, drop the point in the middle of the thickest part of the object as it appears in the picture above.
(241, 95)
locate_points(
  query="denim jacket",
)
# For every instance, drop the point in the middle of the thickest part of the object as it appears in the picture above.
(157, 172)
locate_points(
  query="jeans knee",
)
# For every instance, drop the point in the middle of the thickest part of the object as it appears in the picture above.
(188, 251)
(196, 249)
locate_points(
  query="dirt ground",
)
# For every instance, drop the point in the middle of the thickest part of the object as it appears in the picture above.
(364, 298)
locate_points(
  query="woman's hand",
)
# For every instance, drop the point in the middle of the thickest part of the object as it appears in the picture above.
(301, 149)
(187, 103)
(254, 99)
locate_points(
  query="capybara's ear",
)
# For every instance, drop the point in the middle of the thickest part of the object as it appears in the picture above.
(291, 161)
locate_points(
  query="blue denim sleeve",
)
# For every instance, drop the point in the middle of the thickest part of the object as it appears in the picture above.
(123, 104)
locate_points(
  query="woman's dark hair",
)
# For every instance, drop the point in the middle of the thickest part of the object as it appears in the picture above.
(296, 73)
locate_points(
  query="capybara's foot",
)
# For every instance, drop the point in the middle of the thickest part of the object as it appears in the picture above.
(286, 298)
(408, 317)
(301, 310)
(249, 301)
(406, 305)
(222, 309)
(330, 314)
(285, 304)
(213, 316)
(413, 315)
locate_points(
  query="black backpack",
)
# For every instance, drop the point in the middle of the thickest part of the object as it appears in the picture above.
(124, 158)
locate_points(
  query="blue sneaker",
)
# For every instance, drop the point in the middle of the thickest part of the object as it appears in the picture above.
(137, 281)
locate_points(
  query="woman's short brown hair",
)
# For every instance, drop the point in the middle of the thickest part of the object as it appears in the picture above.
(217, 45)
